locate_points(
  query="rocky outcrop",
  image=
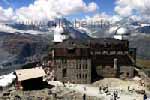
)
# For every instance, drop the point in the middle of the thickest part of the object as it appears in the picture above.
(18, 49)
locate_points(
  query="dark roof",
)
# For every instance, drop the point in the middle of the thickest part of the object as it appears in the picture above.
(84, 43)
(106, 40)
(109, 60)
(71, 43)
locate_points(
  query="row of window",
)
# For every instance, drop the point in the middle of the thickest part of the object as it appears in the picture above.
(82, 66)
(65, 61)
(79, 66)
(81, 76)
(97, 45)
(110, 52)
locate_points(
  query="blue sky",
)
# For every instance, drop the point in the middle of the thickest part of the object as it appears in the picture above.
(20, 3)
(49, 9)
(15, 3)
(106, 6)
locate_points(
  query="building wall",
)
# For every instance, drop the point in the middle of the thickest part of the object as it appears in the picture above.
(106, 71)
(72, 52)
(126, 71)
(98, 57)
(73, 70)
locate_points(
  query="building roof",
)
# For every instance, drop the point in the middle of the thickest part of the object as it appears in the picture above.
(25, 74)
(71, 43)
(106, 40)
(86, 43)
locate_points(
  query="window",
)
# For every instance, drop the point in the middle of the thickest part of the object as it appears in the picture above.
(85, 76)
(64, 72)
(127, 74)
(103, 67)
(112, 52)
(79, 75)
(126, 52)
(59, 66)
(85, 66)
(120, 52)
(71, 50)
(105, 52)
(77, 66)
(64, 61)
(91, 52)
(98, 53)
(80, 66)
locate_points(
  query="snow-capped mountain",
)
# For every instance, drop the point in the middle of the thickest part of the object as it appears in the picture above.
(20, 43)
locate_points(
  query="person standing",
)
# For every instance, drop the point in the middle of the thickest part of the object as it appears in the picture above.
(115, 95)
(85, 89)
(84, 96)
(100, 88)
(145, 96)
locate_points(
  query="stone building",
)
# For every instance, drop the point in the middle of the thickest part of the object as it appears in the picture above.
(30, 79)
(85, 61)
(111, 58)
(72, 62)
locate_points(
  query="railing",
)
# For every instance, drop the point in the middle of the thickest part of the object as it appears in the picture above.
(79, 98)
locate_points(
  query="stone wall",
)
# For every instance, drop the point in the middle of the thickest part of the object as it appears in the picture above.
(126, 71)
(73, 70)
(106, 71)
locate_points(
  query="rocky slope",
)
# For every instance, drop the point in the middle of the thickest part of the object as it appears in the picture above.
(19, 49)
(20, 44)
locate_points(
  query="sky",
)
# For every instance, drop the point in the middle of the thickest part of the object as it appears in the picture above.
(42, 10)
(106, 5)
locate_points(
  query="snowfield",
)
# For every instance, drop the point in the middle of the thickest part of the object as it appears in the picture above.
(6, 80)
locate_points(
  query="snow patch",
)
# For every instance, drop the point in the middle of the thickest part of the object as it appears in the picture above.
(6, 80)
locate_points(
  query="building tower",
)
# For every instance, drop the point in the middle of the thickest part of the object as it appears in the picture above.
(121, 33)
(59, 34)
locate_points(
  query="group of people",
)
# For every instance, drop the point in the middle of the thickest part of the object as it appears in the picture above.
(106, 90)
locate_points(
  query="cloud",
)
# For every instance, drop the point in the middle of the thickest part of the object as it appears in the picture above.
(6, 15)
(97, 17)
(43, 10)
(124, 12)
(91, 7)
(126, 8)
(49, 9)
(102, 17)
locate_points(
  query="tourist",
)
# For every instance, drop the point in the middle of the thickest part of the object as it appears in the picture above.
(84, 88)
(128, 88)
(100, 88)
(106, 90)
(145, 96)
(64, 84)
(115, 95)
(84, 97)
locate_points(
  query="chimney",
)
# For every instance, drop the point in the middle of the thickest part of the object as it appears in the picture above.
(115, 64)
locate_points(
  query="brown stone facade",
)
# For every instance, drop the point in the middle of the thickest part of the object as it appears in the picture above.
(73, 70)
(85, 61)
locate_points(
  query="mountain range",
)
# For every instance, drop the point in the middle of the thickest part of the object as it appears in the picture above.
(22, 43)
